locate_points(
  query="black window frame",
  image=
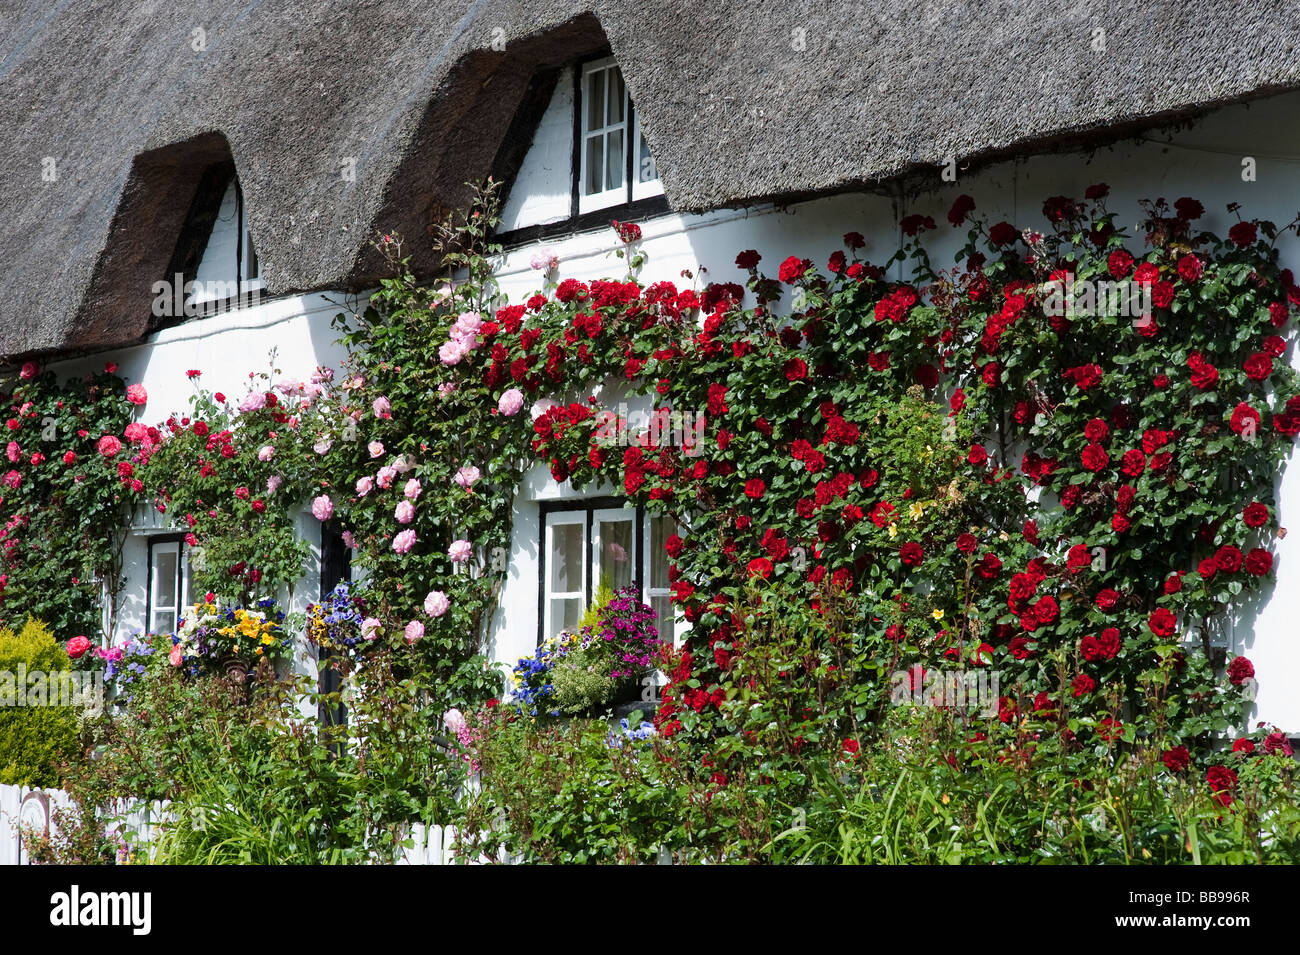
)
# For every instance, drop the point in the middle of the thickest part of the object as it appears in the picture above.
(589, 505)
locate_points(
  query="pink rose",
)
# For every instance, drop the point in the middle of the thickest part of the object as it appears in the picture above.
(459, 551)
(322, 508)
(451, 352)
(454, 721)
(175, 656)
(386, 475)
(405, 512)
(365, 485)
(136, 394)
(376, 449)
(108, 446)
(136, 432)
(511, 402)
(436, 603)
(414, 631)
(370, 628)
(412, 489)
(29, 371)
(265, 452)
(77, 647)
(466, 476)
(382, 408)
(13, 452)
(253, 401)
(404, 541)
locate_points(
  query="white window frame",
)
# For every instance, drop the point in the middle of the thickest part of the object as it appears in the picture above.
(643, 188)
(555, 519)
(619, 194)
(184, 581)
(624, 515)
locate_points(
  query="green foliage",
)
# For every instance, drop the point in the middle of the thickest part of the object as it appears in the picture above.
(62, 517)
(582, 680)
(35, 740)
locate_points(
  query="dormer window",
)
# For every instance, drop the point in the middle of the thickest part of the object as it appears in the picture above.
(228, 270)
(576, 157)
(613, 160)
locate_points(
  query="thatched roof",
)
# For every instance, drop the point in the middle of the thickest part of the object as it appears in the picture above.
(734, 105)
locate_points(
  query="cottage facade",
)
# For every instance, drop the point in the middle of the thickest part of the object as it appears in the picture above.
(187, 226)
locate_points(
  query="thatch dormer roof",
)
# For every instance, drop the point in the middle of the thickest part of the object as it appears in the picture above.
(740, 101)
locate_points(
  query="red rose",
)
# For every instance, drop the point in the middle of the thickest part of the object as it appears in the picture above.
(1190, 268)
(760, 567)
(1258, 366)
(1106, 600)
(755, 488)
(1244, 419)
(1120, 263)
(1095, 457)
(1228, 559)
(792, 269)
(1222, 781)
(1146, 273)
(1243, 234)
(1174, 583)
(777, 547)
(1160, 381)
(747, 259)
(1083, 684)
(1189, 209)
(1273, 345)
(1162, 622)
(1134, 463)
(1004, 233)
(201, 429)
(966, 543)
(1177, 759)
(991, 374)
(911, 554)
(1096, 430)
(1277, 313)
(1259, 562)
(1255, 514)
(961, 207)
(1244, 745)
(977, 455)
(77, 647)
(1078, 558)
(795, 369)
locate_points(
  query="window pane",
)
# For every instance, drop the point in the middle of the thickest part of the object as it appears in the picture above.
(661, 528)
(595, 164)
(164, 578)
(616, 553)
(566, 557)
(596, 100)
(565, 614)
(616, 97)
(187, 595)
(614, 160)
(164, 621)
(663, 608)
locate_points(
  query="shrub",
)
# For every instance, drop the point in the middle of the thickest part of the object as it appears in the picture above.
(34, 740)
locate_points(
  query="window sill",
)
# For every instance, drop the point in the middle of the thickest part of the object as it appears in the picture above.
(593, 221)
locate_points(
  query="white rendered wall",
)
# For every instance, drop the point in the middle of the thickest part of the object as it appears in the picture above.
(543, 188)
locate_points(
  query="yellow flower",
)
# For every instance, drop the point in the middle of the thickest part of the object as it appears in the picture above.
(937, 614)
(916, 511)
(893, 531)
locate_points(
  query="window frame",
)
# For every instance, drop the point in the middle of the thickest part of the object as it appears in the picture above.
(184, 577)
(587, 512)
(616, 195)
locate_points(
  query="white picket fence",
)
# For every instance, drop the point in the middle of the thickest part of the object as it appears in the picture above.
(22, 808)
